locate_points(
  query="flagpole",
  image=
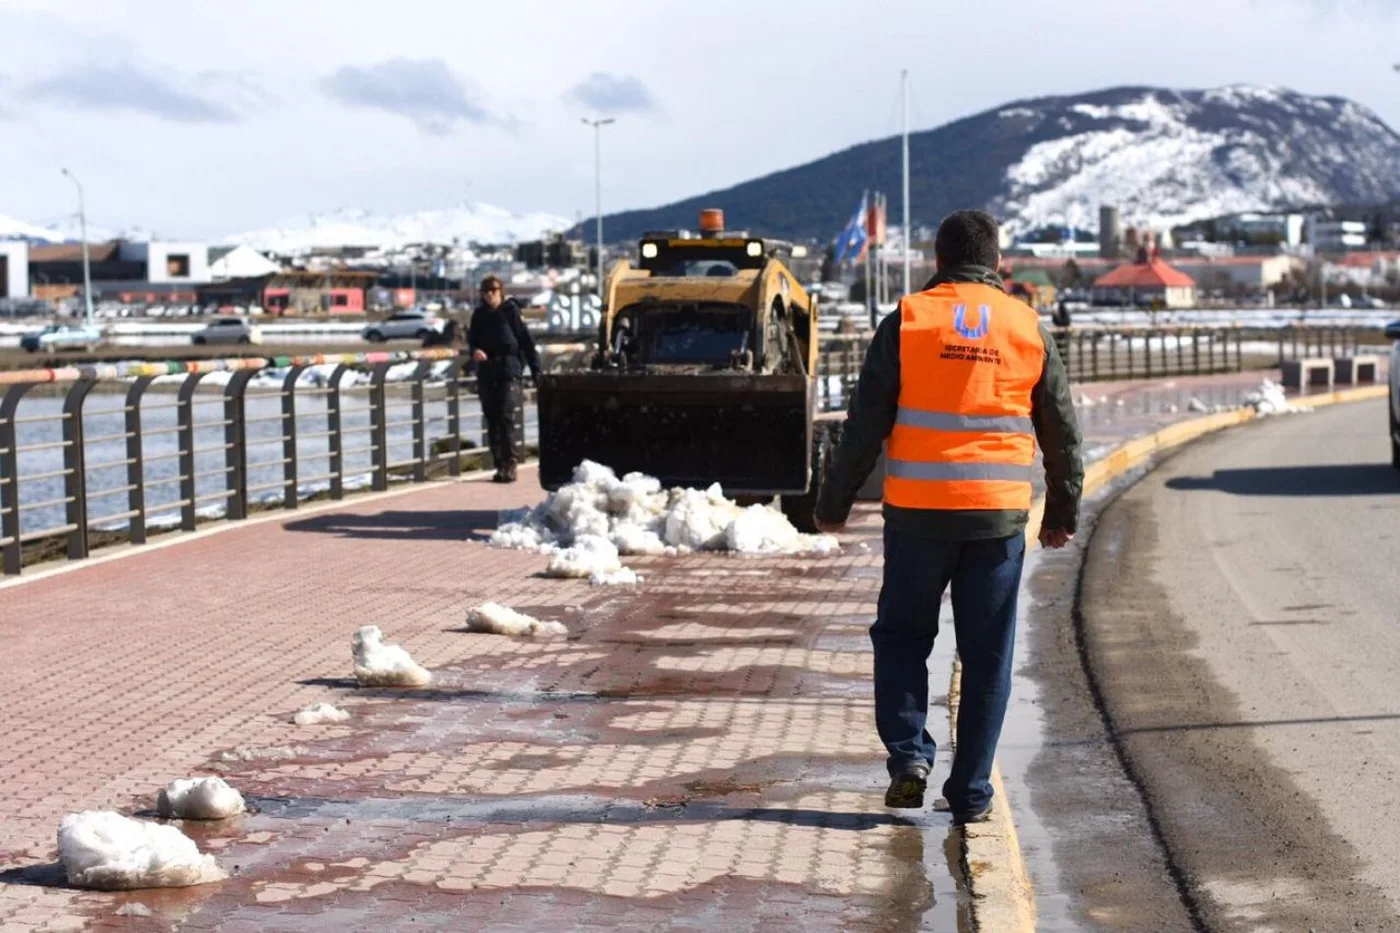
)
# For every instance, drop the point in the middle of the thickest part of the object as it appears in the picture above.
(869, 299)
(904, 109)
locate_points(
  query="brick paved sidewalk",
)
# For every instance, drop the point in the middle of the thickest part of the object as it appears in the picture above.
(700, 751)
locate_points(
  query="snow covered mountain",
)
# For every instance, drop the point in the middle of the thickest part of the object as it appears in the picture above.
(467, 222)
(1164, 157)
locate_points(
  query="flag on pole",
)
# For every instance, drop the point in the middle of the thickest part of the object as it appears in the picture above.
(850, 242)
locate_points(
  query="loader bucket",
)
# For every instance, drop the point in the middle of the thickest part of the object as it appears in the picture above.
(750, 433)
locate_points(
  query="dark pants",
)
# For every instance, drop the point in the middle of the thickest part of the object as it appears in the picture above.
(502, 396)
(985, 576)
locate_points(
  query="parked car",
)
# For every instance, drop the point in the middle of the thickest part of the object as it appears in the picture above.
(1392, 331)
(403, 325)
(61, 337)
(228, 330)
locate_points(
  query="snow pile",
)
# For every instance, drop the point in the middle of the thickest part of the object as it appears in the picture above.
(1197, 405)
(262, 753)
(381, 665)
(207, 798)
(634, 515)
(1271, 400)
(590, 555)
(110, 852)
(318, 713)
(622, 576)
(495, 619)
(134, 909)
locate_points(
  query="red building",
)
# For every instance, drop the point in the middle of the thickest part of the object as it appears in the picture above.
(1149, 282)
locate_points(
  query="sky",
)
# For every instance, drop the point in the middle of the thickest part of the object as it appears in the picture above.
(202, 119)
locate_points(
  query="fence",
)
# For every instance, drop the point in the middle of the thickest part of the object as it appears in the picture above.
(1099, 354)
(59, 477)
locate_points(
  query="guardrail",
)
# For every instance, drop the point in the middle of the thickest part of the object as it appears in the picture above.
(1100, 353)
(264, 404)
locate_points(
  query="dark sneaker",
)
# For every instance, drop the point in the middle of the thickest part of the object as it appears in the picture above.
(906, 790)
(509, 471)
(961, 818)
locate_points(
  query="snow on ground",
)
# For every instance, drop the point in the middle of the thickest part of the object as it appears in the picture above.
(1271, 400)
(318, 713)
(382, 665)
(588, 524)
(111, 852)
(495, 619)
(207, 798)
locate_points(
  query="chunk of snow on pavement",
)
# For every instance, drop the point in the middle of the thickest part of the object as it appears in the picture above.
(622, 576)
(1270, 399)
(110, 852)
(495, 619)
(381, 665)
(1197, 405)
(1084, 401)
(208, 798)
(262, 753)
(133, 909)
(318, 713)
(590, 555)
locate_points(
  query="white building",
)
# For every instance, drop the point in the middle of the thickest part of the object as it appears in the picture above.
(14, 269)
(1256, 273)
(170, 263)
(239, 262)
(1288, 228)
(1330, 236)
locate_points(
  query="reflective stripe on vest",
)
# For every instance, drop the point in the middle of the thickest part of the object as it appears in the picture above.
(970, 357)
(946, 421)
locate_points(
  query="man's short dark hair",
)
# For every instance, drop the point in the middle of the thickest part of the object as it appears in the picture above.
(490, 284)
(967, 238)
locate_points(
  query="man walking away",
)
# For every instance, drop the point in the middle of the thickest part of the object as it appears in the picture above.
(959, 385)
(502, 348)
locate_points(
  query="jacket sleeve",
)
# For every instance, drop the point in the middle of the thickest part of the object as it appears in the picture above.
(474, 332)
(1057, 432)
(869, 420)
(526, 342)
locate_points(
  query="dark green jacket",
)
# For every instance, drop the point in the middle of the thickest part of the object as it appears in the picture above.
(871, 417)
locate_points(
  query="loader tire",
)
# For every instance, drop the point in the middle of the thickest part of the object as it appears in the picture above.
(800, 509)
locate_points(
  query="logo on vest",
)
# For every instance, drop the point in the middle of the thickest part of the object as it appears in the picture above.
(974, 331)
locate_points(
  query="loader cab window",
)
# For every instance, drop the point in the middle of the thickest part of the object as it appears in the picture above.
(723, 258)
(687, 333)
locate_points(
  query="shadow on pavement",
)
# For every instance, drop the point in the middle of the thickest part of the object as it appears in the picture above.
(1342, 479)
(447, 525)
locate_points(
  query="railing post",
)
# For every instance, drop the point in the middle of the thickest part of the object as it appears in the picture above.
(1129, 339)
(1094, 356)
(135, 461)
(184, 414)
(74, 469)
(290, 498)
(11, 556)
(1147, 352)
(1180, 355)
(236, 444)
(335, 441)
(454, 416)
(420, 429)
(378, 429)
(1195, 351)
(1239, 349)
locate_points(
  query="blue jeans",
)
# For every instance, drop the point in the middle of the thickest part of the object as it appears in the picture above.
(985, 576)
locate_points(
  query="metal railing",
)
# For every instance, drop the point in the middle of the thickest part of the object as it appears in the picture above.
(1108, 353)
(401, 415)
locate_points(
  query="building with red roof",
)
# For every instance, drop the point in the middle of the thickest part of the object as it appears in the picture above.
(1149, 281)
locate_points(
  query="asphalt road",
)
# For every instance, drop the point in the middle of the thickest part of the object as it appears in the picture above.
(1239, 620)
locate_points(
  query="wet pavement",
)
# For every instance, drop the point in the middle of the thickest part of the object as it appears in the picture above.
(697, 754)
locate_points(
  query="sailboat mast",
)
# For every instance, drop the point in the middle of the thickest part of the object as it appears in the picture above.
(904, 109)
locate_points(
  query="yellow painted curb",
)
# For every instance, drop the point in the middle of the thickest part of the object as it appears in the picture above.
(1003, 898)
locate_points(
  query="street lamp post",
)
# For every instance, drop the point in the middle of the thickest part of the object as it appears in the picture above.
(82, 232)
(598, 188)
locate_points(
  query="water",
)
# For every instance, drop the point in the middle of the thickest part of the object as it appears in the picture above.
(104, 415)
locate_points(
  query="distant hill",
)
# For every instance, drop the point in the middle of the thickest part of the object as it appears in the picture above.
(1164, 157)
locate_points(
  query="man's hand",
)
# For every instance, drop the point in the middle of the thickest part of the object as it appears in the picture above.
(1054, 538)
(479, 356)
(830, 528)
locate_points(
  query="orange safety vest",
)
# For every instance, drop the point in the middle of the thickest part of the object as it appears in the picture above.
(969, 358)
